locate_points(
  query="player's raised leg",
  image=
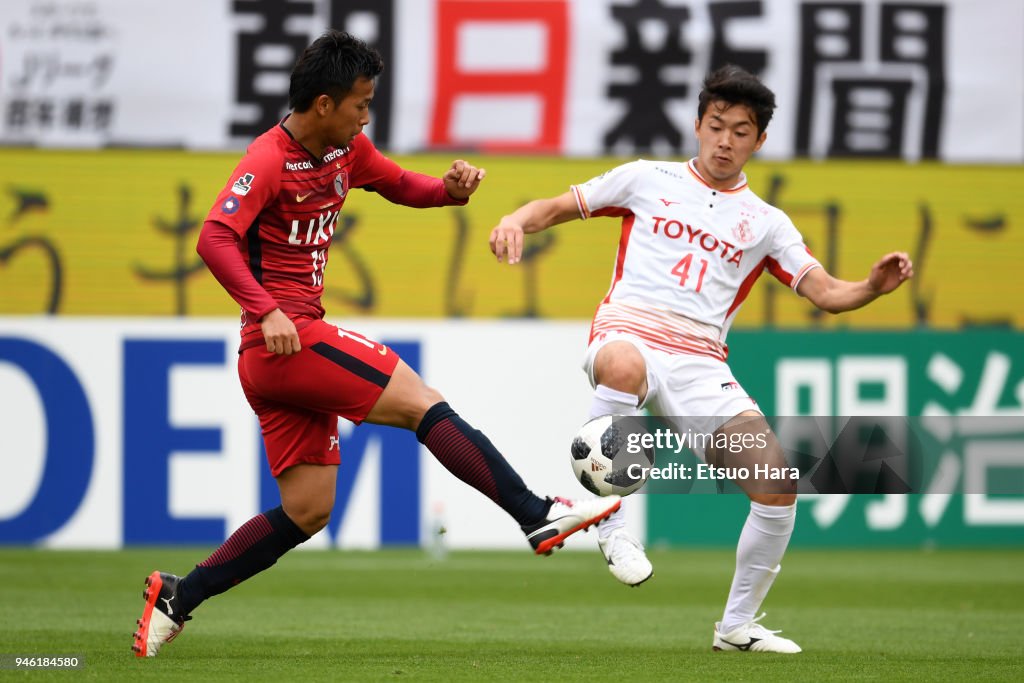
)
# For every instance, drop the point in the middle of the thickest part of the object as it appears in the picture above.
(468, 454)
(620, 375)
(762, 542)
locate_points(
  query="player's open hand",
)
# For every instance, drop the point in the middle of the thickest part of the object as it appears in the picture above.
(462, 179)
(279, 333)
(507, 241)
(891, 271)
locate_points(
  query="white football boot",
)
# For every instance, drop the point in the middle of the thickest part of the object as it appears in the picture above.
(566, 517)
(752, 637)
(160, 623)
(626, 558)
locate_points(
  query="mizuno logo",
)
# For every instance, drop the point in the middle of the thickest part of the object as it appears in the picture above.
(302, 197)
(744, 647)
(668, 202)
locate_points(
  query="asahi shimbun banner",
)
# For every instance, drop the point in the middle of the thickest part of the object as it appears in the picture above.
(915, 79)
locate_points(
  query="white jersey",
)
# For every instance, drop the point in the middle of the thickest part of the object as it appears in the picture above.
(688, 253)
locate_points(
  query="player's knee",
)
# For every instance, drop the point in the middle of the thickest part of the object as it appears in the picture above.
(410, 412)
(311, 517)
(415, 409)
(431, 397)
(405, 400)
(314, 521)
(620, 366)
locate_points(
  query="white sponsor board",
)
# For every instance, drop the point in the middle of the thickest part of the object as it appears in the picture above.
(863, 78)
(123, 431)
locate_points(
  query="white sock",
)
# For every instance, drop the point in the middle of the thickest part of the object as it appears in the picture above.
(762, 544)
(608, 401)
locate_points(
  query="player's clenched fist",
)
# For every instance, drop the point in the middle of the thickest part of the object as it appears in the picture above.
(462, 179)
(279, 333)
(890, 272)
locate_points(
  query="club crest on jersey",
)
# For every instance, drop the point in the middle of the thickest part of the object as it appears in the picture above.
(230, 205)
(742, 231)
(341, 184)
(243, 184)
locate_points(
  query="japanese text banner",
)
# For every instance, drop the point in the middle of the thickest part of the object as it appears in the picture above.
(867, 78)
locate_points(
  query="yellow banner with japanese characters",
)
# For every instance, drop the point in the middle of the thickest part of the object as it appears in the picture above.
(113, 233)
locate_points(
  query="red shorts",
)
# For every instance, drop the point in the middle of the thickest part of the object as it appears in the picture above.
(298, 398)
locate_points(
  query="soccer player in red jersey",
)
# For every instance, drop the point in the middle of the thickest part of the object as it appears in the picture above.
(266, 241)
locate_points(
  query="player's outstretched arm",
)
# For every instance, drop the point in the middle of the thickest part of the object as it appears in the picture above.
(507, 238)
(836, 296)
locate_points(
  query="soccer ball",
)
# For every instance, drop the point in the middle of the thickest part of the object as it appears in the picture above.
(603, 452)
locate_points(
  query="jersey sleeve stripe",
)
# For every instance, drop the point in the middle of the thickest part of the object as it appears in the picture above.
(803, 271)
(581, 203)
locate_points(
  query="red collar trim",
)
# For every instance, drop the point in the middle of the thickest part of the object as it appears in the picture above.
(739, 187)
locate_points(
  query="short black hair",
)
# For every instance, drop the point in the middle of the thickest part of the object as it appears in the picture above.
(734, 85)
(331, 65)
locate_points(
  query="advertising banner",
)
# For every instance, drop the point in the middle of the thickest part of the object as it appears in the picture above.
(117, 432)
(973, 466)
(125, 431)
(113, 233)
(916, 79)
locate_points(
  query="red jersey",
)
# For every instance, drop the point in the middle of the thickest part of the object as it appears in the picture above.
(284, 205)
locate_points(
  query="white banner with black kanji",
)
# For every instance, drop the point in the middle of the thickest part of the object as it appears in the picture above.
(912, 79)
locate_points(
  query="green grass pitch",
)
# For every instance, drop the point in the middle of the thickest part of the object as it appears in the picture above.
(399, 615)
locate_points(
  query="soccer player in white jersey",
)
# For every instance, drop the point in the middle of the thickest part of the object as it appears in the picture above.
(694, 239)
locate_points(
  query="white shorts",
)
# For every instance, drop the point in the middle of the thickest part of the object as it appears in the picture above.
(699, 389)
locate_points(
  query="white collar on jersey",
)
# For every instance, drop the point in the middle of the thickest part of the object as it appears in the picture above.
(740, 182)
